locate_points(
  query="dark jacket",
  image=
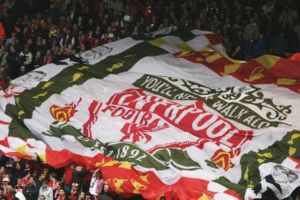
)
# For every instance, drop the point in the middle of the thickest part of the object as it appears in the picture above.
(31, 192)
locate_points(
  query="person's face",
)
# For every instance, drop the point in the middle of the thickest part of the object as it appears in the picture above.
(96, 197)
(12, 49)
(70, 46)
(28, 174)
(38, 54)
(43, 176)
(2, 170)
(22, 69)
(88, 197)
(106, 188)
(32, 181)
(5, 182)
(98, 175)
(74, 187)
(18, 166)
(44, 184)
(19, 181)
(81, 196)
(61, 192)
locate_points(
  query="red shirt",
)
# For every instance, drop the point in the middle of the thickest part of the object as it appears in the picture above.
(73, 196)
(25, 182)
(53, 184)
(61, 198)
(68, 175)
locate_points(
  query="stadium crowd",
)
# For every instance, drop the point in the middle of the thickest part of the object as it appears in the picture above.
(32, 180)
(34, 33)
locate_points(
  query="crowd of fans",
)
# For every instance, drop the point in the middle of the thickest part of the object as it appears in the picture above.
(31, 180)
(34, 33)
(37, 32)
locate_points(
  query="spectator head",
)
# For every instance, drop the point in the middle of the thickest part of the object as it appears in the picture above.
(72, 166)
(78, 168)
(88, 196)
(105, 187)
(44, 41)
(28, 173)
(2, 170)
(44, 183)
(48, 52)
(52, 176)
(59, 185)
(38, 55)
(81, 196)
(98, 29)
(1, 192)
(32, 180)
(26, 48)
(2, 70)
(90, 34)
(18, 166)
(75, 186)
(12, 48)
(42, 176)
(98, 175)
(13, 35)
(10, 190)
(68, 31)
(82, 48)
(90, 22)
(5, 180)
(19, 181)
(23, 69)
(61, 192)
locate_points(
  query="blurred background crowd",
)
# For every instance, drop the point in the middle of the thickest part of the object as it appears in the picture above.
(34, 32)
(32, 180)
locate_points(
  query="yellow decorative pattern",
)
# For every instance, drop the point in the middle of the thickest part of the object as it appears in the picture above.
(255, 74)
(76, 77)
(184, 46)
(137, 186)
(267, 61)
(231, 68)
(286, 81)
(83, 68)
(118, 184)
(125, 165)
(47, 84)
(204, 197)
(144, 178)
(213, 57)
(21, 113)
(158, 42)
(115, 66)
(292, 151)
(40, 95)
